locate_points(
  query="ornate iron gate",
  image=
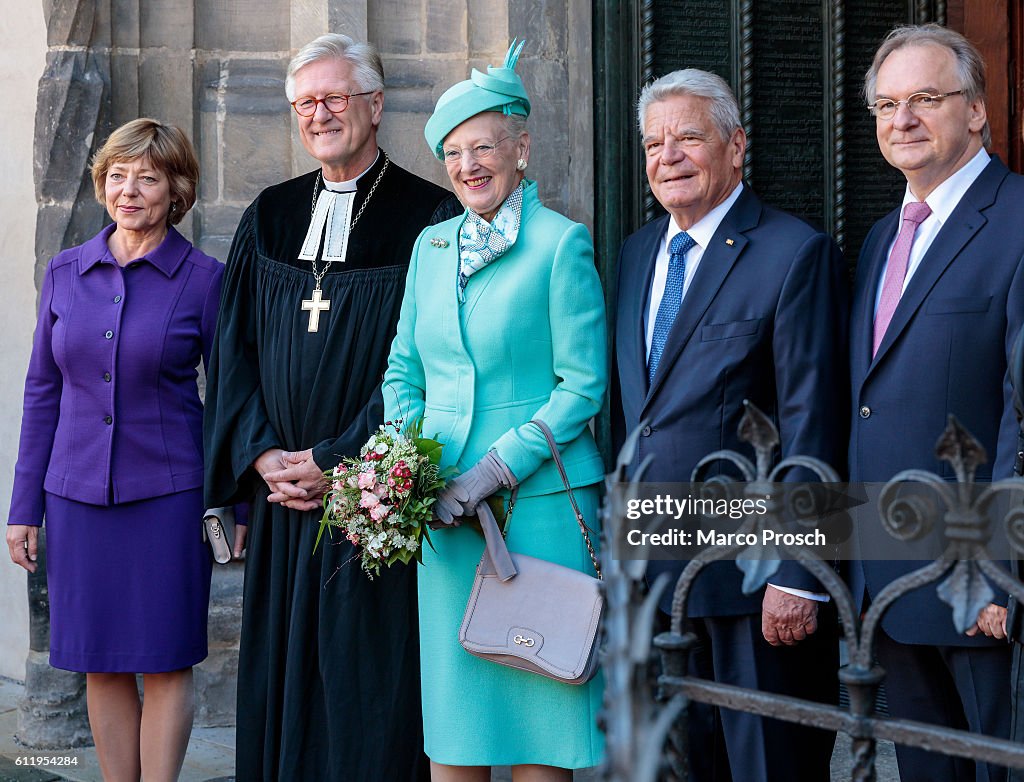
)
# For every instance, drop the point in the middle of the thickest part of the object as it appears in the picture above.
(646, 718)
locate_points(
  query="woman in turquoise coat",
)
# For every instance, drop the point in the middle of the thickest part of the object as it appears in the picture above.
(502, 322)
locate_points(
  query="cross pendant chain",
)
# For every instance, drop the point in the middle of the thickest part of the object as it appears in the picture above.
(318, 304)
(315, 306)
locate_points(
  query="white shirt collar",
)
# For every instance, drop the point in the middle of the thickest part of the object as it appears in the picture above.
(944, 198)
(349, 185)
(702, 230)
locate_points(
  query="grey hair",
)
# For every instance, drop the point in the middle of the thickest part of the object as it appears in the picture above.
(725, 112)
(367, 68)
(515, 124)
(970, 67)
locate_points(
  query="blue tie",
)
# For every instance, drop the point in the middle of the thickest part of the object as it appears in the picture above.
(671, 299)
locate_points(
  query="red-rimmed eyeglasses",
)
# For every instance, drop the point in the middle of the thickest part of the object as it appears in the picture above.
(335, 103)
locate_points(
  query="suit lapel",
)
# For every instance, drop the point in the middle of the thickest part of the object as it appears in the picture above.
(634, 296)
(864, 328)
(443, 255)
(718, 259)
(964, 222)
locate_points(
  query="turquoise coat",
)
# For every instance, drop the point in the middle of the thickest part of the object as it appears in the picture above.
(528, 342)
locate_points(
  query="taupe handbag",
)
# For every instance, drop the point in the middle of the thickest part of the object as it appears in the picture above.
(532, 614)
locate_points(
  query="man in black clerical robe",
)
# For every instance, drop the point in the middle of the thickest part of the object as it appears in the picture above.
(328, 681)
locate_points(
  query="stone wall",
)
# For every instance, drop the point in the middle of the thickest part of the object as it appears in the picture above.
(216, 68)
(247, 136)
(22, 51)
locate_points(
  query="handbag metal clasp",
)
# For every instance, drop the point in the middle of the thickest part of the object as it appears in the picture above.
(519, 639)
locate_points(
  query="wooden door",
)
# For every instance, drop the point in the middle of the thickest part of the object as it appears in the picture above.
(996, 27)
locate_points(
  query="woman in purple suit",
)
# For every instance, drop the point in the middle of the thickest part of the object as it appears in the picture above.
(111, 453)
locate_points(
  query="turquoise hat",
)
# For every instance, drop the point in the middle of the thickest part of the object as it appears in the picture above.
(500, 89)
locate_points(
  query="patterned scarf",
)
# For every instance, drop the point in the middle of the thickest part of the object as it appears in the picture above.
(481, 243)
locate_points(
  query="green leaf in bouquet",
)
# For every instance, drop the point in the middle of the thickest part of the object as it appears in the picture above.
(415, 429)
(500, 511)
(324, 524)
(429, 447)
(403, 555)
(426, 537)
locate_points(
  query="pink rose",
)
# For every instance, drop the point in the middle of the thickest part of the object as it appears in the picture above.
(369, 500)
(379, 512)
(367, 479)
(380, 490)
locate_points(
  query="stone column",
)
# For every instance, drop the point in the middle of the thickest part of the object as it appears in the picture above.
(71, 112)
(51, 711)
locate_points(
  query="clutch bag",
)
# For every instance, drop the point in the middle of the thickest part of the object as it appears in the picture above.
(219, 532)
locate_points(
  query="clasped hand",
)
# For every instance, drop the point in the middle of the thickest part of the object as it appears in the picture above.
(293, 477)
(787, 619)
(991, 621)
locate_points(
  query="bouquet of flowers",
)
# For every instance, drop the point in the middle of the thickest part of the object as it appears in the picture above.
(382, 501)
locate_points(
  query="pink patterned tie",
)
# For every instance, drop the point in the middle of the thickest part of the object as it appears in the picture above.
(914, 214)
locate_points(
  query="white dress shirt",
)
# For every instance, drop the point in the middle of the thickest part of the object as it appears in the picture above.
(701, 232)
(942, 200)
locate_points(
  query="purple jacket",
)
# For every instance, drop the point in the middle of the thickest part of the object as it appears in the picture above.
(112, 411)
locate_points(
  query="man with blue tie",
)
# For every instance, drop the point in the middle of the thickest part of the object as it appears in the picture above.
(722, 300)
(938, 301)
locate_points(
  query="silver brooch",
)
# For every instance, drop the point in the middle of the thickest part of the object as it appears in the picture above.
(435, 242)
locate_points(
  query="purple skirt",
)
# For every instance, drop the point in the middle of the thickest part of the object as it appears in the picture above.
(129, 584)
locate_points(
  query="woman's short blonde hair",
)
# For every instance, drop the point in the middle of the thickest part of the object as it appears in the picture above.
(167, 148)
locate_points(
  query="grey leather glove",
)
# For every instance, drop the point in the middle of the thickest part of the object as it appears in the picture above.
(461, 496)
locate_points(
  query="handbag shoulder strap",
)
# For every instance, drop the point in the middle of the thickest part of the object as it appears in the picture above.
(557, 457)
(496, 559)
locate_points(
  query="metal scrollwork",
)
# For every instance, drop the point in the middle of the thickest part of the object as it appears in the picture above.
(966, 529)
(909, 517)
(646, 717)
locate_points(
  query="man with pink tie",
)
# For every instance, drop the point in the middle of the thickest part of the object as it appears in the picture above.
(938, 301)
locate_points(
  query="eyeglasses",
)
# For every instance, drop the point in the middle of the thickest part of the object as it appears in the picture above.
(335, 103)
(917, 104)
(478, 152)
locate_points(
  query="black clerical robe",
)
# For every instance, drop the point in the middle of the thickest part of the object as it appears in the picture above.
(328, 674)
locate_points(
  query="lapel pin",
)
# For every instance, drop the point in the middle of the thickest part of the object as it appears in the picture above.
(435, 242)
(730, 242)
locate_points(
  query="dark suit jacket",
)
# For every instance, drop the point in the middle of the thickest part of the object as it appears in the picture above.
(946, 351)
(764, 319)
